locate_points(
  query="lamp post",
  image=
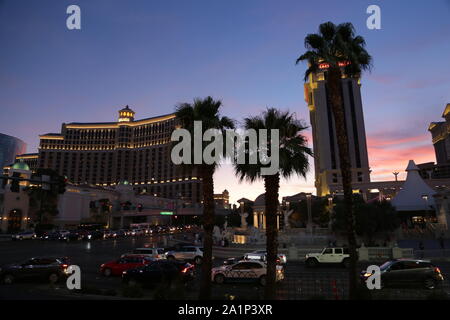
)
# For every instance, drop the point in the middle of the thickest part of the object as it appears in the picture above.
(308, 204)
(425, 197)
(395, 173)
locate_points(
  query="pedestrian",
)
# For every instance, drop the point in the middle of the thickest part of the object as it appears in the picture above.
(441, 242)
(421, 248)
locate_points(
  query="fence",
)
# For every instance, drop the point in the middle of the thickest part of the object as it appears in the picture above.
(432, 254)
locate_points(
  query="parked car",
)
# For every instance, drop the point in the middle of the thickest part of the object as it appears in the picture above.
(189, 253)
(110, 234)
(177, 247)
(54, 235)
(157, 253)
(244, 271)
(328, 256)
(71, 236)
(93, 235)
(259, 255)
(26, 235)
(159, 272)
(48, 268)
(402, 272)
(120, 233)
(282, 259)
(116, 267)
(63, 233)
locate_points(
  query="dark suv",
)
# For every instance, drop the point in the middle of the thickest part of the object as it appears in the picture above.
(45, 268)
(402, 272)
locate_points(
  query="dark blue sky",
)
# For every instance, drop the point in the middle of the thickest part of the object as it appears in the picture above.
(152, 55)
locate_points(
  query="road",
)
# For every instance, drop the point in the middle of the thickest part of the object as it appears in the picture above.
(300, 282)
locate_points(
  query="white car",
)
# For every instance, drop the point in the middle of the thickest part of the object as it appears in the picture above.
(281, 257)
(328, 256)
(63, 233)
(24, 235)
(191, 253)
(244, 271)
(157, 253)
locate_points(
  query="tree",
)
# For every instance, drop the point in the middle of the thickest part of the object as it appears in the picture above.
(44, 199)
(345, 55)
(371, 219)
(207, 111)
(319, 211)
(293, 155)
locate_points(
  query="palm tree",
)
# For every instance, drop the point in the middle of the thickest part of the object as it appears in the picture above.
(343, 54)
(207, 111)
(293, 155)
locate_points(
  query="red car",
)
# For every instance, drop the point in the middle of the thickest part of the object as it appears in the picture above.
(116, 267)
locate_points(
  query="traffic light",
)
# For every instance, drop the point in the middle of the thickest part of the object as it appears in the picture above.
(4, 182)
(15, 182)
(59, 184)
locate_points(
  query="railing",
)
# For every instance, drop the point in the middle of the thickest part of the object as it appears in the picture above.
(432, 254)
(376, 253)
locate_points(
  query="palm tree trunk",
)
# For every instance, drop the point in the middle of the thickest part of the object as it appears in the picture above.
(207, 172)
(272, 185)
(337, 106)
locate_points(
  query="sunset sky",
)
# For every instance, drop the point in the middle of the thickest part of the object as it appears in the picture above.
(152, 55)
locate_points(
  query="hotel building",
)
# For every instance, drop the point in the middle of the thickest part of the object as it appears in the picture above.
(107, 153)
(326, 153)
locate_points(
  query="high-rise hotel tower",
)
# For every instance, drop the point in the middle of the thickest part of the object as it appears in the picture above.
(130, 151)
(326, 153)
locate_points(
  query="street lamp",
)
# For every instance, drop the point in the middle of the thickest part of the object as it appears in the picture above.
(308, 204)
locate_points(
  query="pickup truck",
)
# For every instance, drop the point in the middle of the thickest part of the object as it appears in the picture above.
(328, 256)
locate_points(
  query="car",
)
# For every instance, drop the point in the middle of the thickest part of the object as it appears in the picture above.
(159, 272)
(110, 234)
(328, 256)
(93, 235)
(120, 233)
(26, 235)
(177, 247)
(400, 272)
(282, 259)
(189, 253)
(259, 255)
(157, 253)
(138, 232)
(71, 236)
(49, 268)
(244, 271)
(54, 235)
(63, 233)
(116, 267)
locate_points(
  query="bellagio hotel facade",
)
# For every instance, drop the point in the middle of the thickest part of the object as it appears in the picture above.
(127, 151)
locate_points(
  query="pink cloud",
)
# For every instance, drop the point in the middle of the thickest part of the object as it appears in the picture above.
(387, 155)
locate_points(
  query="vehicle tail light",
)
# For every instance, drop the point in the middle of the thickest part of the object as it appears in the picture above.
(64, 266)
(184, 270)
(437, 270)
